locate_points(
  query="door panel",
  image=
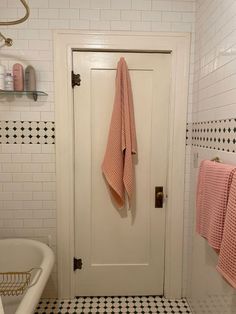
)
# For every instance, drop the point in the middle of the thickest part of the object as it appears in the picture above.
(122, 250)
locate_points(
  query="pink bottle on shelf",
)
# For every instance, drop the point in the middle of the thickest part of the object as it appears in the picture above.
(18, 77)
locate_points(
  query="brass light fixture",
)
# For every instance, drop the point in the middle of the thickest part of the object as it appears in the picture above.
(9, 41)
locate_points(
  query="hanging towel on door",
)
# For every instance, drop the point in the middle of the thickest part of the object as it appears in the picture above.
(214, 181)
(117, 165)
(227, 256)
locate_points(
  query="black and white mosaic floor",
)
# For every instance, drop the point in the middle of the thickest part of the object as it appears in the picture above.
(120, 305)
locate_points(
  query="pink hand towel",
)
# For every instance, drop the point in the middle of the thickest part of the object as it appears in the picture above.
(214, 181)
(117, 165)
(227, 257)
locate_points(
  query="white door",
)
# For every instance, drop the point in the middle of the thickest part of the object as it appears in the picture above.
(122, 250)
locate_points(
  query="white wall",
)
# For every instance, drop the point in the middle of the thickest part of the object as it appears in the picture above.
(213, 134)
(27, 188)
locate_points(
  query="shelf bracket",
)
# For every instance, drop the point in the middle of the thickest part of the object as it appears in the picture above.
(35, 96)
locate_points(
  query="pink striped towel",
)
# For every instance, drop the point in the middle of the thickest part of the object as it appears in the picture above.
(227, 257)
(117, 165)
(214, 181)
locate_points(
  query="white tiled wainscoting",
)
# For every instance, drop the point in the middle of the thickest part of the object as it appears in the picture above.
(212, 134)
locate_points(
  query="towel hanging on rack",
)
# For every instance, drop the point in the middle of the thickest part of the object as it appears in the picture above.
(117, 165)
(227, 256)
(214, 181)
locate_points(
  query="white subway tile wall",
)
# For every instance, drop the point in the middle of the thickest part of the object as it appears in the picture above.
(214, 108)
(27, 179)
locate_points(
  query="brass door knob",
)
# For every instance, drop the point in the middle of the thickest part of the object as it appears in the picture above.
(159, 196)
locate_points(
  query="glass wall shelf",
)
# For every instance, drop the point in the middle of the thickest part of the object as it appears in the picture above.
(33, 94)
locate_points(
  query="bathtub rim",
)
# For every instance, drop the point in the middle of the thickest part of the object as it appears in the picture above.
(32, 295)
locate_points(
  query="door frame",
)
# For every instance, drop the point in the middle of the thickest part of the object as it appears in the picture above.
(178, 44)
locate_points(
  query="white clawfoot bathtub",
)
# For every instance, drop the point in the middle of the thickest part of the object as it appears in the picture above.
(18, 255)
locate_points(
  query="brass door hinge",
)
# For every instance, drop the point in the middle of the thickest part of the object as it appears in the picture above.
(75, 79)
(77, 263)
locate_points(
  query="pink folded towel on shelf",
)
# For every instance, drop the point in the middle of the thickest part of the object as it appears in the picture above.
(227, 256)
(117, 165)
(213, 186)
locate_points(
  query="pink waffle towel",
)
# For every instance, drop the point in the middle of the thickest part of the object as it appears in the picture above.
(214, 181)
(117, 165)
(227, 257)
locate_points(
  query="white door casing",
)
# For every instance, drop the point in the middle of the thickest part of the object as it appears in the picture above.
(122, 250)
(179, 46)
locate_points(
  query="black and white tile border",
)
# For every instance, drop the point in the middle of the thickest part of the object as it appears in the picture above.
(217, 134)
(27, 132)
(120, 305)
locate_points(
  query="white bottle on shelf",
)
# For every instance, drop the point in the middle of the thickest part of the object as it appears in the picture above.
(9, 81)
(2, 77)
